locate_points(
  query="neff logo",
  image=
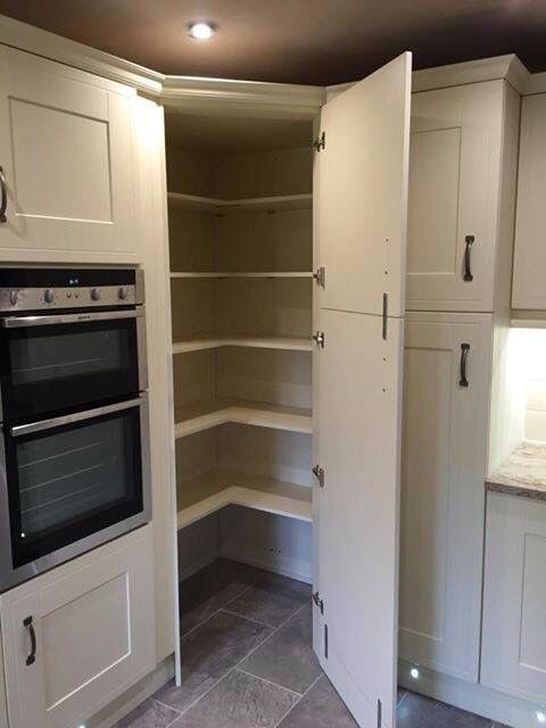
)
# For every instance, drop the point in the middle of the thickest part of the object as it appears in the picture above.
(84, 317)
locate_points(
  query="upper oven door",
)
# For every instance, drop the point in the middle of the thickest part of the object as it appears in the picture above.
(53, 363)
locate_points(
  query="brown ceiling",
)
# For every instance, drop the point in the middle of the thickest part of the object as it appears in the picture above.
(300, 41)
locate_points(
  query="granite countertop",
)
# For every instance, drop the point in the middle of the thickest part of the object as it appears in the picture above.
(523, 473)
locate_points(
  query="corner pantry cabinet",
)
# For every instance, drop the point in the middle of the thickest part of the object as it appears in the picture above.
(257, 394)
(77, 637)
(66, 161)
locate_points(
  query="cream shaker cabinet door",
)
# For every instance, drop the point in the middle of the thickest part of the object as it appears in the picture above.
(361, 189)
(446, 368)
(528, 290)
(514, 616)
(3, 701)
(453, 197)
(78, 637)
(66, 158)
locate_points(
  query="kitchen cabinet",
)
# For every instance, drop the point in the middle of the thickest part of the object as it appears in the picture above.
(256, 392)
(514, 617)
(529, 252)
(77, 637)
(462, 140)
(447, 370)
(67, 162)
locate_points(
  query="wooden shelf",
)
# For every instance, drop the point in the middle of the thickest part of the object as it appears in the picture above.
(206, 415)
(242, 274)
(196, 203)
(209, 493)
(253, 342)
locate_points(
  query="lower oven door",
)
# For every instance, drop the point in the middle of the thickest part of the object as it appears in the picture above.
(69, 484)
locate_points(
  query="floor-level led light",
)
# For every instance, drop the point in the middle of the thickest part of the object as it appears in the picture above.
(201, 31)
(414, 672)
(541, 716)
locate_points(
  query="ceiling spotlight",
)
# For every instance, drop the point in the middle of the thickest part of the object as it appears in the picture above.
(541, 716)
(201, 31)
(414, 672)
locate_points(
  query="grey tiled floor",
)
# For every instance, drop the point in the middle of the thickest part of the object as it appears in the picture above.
(248, 663)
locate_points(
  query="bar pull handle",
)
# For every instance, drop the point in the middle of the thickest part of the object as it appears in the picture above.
(3, 196)
(31, 659)
(469, 242)
(463, 381)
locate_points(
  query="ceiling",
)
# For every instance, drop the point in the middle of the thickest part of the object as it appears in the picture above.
(299, 41)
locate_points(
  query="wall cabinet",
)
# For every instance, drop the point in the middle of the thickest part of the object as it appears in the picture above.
(66, 158)
(514, 617)
(77, 637)
(3, 701)
(447, 370)
(456, 157)
(528, 290)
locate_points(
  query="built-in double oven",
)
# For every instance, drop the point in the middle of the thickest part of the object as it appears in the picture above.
(74, 432)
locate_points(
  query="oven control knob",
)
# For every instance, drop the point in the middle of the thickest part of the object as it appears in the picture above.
(95, 294)
(49, 295)
(122, 293)
(14, 298)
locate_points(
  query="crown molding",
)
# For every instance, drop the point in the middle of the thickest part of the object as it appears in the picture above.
(507, 67)
(25, 37)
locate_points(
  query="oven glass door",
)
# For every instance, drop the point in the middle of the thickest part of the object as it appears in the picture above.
(53, 363)
(72, 477)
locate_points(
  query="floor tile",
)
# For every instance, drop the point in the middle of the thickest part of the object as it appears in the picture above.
(273, 600)
(417, 711)
(239, 701)
(287, 658)
(208, 653)
(204, 593)
(320, 707)
(149, 715)
(400, 693)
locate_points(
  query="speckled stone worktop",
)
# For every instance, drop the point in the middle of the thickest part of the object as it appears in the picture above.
(523, 473)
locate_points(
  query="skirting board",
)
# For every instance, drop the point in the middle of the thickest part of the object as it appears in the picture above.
(286, 566)
(477, 699)
(122, 706)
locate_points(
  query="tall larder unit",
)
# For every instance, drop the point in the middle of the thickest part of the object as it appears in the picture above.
(288, 247)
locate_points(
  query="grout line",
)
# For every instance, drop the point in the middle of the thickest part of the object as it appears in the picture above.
(211, 616)
(404, 696)
(165, 705)
(248, 619)
(293, 707)
(269, 682)
(260, 644)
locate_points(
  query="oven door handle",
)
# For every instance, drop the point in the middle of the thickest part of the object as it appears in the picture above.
(20, 430)
(17, 322)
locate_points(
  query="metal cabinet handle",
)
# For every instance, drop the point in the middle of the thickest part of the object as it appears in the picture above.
(31, 659)
(3, 196)
(469, 242)
(463, 381)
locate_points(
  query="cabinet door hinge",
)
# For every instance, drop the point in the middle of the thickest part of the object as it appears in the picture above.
(319, 338)
(318, 472)
(385, 315)
(320, 276)
(318, 601)
(320, 143)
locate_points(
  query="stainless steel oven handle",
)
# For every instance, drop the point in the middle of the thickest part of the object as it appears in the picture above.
(15, 322)
(32, 427)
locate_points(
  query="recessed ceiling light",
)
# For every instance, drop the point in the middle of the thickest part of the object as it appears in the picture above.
(201, 30)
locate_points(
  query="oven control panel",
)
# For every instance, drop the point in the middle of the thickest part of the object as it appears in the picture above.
(34, 290)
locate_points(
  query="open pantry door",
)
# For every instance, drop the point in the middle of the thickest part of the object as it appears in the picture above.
(361, 187)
